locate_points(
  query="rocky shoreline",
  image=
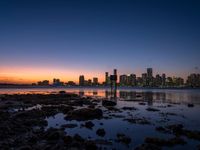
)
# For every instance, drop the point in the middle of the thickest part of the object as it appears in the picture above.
(23, 123)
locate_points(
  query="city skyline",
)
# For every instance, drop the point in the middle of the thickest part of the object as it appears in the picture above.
(62, 39)
(101, 77)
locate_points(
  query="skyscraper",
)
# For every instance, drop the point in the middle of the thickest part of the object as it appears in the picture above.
(81, 80)
(95, 81)
(123, 80)
(149, 77)
(107, 79)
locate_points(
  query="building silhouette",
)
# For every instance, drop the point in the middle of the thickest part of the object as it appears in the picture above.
(81, 80)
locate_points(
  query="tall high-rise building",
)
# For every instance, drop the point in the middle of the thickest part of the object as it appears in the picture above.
(107, 78)
(149, 72)
(123, 80)
(132, 80)
(56, 82)
(81, 80)
(163, 79)
(144, 79)
(149, 77)
(95, 81)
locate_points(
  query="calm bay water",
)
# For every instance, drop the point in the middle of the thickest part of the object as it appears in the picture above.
(150, 95)
(177, 113)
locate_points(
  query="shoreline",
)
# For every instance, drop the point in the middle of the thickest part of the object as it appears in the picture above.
(95, 87)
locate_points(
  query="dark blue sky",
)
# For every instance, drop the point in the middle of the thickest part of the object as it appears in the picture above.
(96, 36)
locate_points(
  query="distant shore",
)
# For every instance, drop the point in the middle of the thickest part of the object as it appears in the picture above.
(21, 86)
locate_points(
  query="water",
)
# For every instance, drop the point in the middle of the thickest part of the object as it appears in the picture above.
(151, 95)
(172, 105)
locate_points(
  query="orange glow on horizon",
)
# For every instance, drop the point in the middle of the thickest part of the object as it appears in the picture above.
(33, 75)
(28, 75)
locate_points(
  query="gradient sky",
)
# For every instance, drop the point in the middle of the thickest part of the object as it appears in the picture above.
(44, 39)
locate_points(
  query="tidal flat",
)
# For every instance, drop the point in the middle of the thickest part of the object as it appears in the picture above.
(69, 121)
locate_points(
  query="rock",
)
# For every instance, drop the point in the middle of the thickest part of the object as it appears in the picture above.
(142, 103)
(162, 129)
(162, 142)
(84, 114)
(129, 108)
(138, 120)
(152, 109)
(69, 125)
(89, 125)
(90, 145)
(106, 103)
(62, 92)
(148, 147)
(25, 147)
(53, 134)
(198, 147)
(190, 105)
(123, 138)
(101, 132)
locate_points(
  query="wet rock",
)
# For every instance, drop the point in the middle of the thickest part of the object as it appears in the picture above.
(198, 147)
(53, 134)
(111, 108)
(162, 142)
(190, 105)
(106, 103)
(176, 129)
(101, 132)
(192, 134)
(123, 138)
(84, 114)
(78, 138)
(25, 147)
(90, 145)
(103, 142)
(148, 147)
(152, 109)
(89, 125)
(138, 120)
(62, 92)
(162, 129)
(142, 103)
(138, 96)
(69, 125)
(129, 108)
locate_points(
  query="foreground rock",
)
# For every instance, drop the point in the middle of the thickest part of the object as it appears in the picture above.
(106, 103)
(178, 130)
(89, 125)
(123, 138)
(84, 114)
(148, 147)
(101, 132)
(162, 142)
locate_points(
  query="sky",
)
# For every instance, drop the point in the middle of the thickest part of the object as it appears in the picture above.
(66, 38)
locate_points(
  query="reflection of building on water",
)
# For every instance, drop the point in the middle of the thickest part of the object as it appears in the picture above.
(148, 96)
(127, 95)
(95, 93)
(81, 93)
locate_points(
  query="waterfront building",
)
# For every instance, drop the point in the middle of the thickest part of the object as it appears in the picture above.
(163, 79)
(144, 79)
(107, 79)
(95, 81)
(123, 80)
(132, 80)
(43, 83)
(81, 80)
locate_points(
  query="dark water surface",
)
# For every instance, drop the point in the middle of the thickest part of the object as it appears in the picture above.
(172, 105)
